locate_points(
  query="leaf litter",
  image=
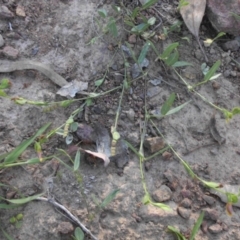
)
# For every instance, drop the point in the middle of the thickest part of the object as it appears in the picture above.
(192, 14)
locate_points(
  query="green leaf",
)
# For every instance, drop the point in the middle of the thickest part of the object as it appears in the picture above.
(116, 8)
(181, 64)
(172, 59)
(99, 82)
(211, 184)
(196, 226)
(113, 27)
(2, 93)
(5, 83)
(168, 104)
(232, 198)
(212, 70)
(182, 3)
(146, 199)
(66, 103)
(89, 102)
(166, 53)
(151, 21)
(77, 161)
(176, 109)
(109, 198)
(23, 200)
(176, 232)
(129, 23)
(143, 52)
(162, 206)
(236, 111)
(7, 206)
(73, 127)
(135, 12)
(148, 4)
(140, 28)
(78, 233)
(7, 236)
(102, 12)
(13, 155)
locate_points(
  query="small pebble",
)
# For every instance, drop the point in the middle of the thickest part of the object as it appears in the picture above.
(10, 52)
(209, 200)
(2, 42)
(162, 194)
(132, 39)
(215, 228)
(216, 85)
(184, 213)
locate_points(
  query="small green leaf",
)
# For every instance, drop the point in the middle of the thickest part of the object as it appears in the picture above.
(146, 199)
(162, 206)
(116, 8)
(99, 82)
(5, 83)
(109, 198)
(19, 100)
(135, 12)
(2, 93)
(168, 104)
(19, 217)
(148, 4)
(182, 3)
(78, 233)
(172, 59)
(13, 155)
(76, 161)
(102, 12)
(211, 184)
(176, 232)
(143, 52)
(212, 70)
(181, 64)
(23, 200)
(176, 109)
(116, 136)
(73, 127)
(112, 27)
(166, 53)
(196, 226)
(89, 102)
(232, 198)
(151, 21)
(66, 103)
(140, 28)
(236, 111)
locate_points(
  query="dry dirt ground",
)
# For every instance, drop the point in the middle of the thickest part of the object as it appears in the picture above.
(56, 33)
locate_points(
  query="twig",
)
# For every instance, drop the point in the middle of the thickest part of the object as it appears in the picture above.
(75, 219)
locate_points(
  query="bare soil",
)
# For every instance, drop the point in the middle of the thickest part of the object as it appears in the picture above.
(57, 33)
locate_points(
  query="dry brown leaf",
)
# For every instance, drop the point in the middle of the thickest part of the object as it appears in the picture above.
(20, 11)
(192, 15)
(103, 156)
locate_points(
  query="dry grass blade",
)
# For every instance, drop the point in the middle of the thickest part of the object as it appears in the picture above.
(192, 15)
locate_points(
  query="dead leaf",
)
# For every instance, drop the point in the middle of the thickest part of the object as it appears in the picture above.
(72, 88)
(192, 15)
(20, 11)
(103, 156)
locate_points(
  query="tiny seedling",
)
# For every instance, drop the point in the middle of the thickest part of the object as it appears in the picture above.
(195, 229)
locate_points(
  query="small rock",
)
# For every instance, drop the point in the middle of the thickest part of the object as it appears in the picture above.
(154, 144)
(132, 39)
(153, 91)
(214, 151)
(10, 194)
(232, 45)
(186, 203)
(162, 194)
(2, 42)
(184, 213)
(5, 13)
(233, 73)
(216, 85)
(65, 227)
(215, 228)
(209, 200)
(20, 11)
(226, 73)
(130, 114)
(219, 14)
(212, 214)
(156, 81)
(167, 155)
(186, 193)
(151, 213)
(10, 52)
